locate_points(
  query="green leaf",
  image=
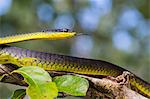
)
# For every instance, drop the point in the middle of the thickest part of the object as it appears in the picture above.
(72, 85)
(39, 81)
(18, 94)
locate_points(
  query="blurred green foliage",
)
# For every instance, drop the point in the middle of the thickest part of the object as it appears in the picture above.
(102, 19)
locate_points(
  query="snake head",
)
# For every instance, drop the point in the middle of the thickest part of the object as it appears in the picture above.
(58, 30)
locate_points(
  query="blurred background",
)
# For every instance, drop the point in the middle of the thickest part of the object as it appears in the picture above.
(119, 30)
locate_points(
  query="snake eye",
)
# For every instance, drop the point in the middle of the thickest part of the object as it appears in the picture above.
(61, 30)
(65, 30)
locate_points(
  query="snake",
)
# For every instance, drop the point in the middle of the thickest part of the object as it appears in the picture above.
(50, 61)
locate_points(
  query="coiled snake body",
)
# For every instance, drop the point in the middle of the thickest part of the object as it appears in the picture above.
(48, 61)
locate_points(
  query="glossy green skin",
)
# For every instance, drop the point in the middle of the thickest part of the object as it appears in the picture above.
(23, 57)
(48, 61)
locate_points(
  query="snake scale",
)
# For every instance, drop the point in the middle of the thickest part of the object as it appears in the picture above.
(49, 61)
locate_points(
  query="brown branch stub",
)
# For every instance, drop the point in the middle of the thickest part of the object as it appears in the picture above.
(115, 87)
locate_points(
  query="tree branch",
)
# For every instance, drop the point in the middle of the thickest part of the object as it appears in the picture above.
(99, 88)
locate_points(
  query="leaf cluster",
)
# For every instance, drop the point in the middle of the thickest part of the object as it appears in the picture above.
(42, 86)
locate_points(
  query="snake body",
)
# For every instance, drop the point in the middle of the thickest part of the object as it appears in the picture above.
(56, 62)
